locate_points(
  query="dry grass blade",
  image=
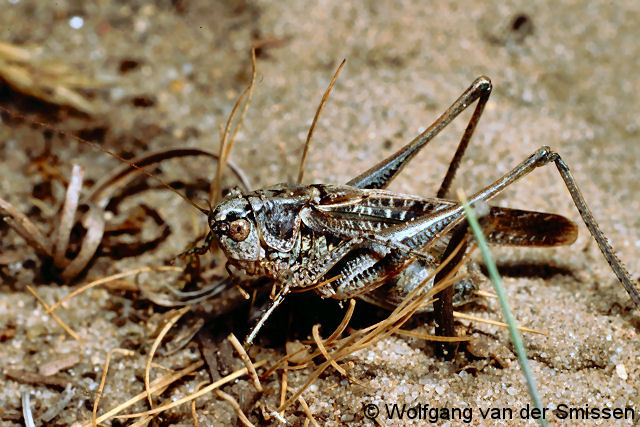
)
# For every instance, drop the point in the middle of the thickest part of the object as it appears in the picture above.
(94, 223)
(66, 397)
(55, 316)
(345, 321)
(247, 361)
(156, 387)
(12, 52)
(222, 381)
(364, 338)
(103, 380)
(485, 294)
(226, 144)
(466, 316)
(147, 369)
(329, 341)
(194, 414)
(63, 231)
(25, 228)
(316, 337)
(429, 337)
(303, 160)
(284, 382)
(26, 409)
(236, 407)
(51, 81)
(103, 280)
(307, 411)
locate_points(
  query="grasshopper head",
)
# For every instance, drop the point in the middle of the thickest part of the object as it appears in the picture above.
(233, 223)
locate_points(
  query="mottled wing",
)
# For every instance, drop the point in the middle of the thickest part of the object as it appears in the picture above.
(515, 227)
(346, 211)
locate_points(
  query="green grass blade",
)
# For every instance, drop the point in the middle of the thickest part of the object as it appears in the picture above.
(506, 310)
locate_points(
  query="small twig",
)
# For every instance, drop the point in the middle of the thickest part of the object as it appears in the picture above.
(103, 380)
(429, 337)
(109, 279)
(307, 411)
(247, 361)
(316, 337)
(24, 227)
(495, 322)
(236, 407)
(283, 386)
(156, 387)
(26, 409)
(345, 322)
(194, 414)
(55, 316)
(222, 381)
(63, 231)
(147, 369)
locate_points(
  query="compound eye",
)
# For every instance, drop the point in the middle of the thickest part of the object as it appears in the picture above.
(239, 229)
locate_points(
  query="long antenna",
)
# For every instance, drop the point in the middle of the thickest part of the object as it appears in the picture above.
(104, 150)
(215, 189)
(315, 120)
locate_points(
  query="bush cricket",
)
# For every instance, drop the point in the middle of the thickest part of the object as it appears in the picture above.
(360, 240)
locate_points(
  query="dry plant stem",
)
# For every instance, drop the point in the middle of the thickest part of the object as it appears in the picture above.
(283, 361)
(278, 417)
(345, 321)
(147, 369)
(236, 407)
(25, 228)
(55, 316)
(194, 414)
(303, 160)
(103, 380)
(318, 340)
(460, 315)
(307, 411)
(222, 381)
(399, 314)
(429, 337)
(341, 327)
(144, 421)
(384, 328)
(94, 223)
(156, 387)
(283, 386)
(485, 294)
(26, 409)
(109, 279)
(63, 232)
(247, 361)
(215, 192)
(52, 81)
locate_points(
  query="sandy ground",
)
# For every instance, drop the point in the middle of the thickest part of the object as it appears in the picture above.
(565, 74)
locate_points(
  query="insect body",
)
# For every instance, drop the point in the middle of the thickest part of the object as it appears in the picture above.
(359, 240)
